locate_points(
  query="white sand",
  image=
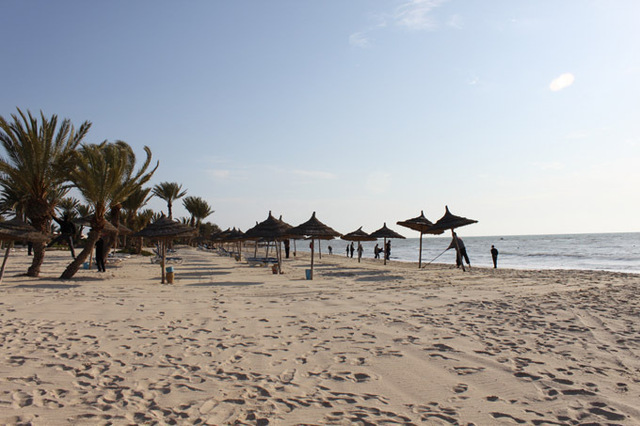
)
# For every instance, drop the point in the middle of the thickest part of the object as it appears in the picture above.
(360, 344)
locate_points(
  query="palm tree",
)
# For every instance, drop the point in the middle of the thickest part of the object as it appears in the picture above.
(198, 208)
(68, 206)
(134, 202)
(105, 175)
(169, 192)
(37, 154)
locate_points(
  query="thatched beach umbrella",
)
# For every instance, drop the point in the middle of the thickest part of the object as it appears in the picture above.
(271, 229)
(164, 230)
(358, 235)
(422, 225)
(385, 233)
(315, 230)
(451, 221)
(14, 230)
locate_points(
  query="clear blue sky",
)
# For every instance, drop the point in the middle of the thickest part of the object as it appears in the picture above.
(524, 115)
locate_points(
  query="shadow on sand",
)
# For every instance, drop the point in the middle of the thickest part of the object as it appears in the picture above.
(224, 284)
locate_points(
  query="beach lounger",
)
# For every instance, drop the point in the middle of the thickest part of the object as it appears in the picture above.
(261, 261)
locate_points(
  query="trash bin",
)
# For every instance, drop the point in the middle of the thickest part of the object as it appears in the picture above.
(170, 277)
(308, 273)
(169, 268)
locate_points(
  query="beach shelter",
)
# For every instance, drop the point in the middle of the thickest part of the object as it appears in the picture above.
(14, 230)
(313, 229)
(358, 235)
(385, 233)
(451, 221)
(422, 225)
(271, 229)
(164, 230)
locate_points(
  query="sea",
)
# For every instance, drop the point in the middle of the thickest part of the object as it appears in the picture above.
(619, 252)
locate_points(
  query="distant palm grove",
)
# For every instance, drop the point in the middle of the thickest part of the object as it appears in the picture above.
(44, 159)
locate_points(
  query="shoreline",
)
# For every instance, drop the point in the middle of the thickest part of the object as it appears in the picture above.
(362, 342)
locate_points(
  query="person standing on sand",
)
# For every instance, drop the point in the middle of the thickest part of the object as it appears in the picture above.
(67, 232)
(360, 250)
(287, 248)
(376, 252)
(461, 251)
(352, 249)
(494, 256)
(330, 249)
(100, 255)
(347, 250)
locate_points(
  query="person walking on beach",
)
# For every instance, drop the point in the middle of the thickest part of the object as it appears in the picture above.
(67, 232)
(376, 252)
(387, 250)
(352, 249)
(494, 256)
(461, 251)
(330, 249)
(360, 250)
(100, 255)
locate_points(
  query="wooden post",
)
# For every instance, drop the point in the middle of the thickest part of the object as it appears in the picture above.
(163, 250)
(312, 248)
(420, 256)
(455, 241)
(385, 250)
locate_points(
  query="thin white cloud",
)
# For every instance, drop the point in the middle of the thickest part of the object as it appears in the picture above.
(562, 82)
(359, 40)
(416, 14)
(313, 174)
(456, 22)
(554, 165)
(219, 174)
(577, 135)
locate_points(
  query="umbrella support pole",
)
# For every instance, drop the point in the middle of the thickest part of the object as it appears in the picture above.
(312, 248)
(420, 256)
(458, 254)
(4, 261)
(164, 256)
(432, 260)
(385, 251)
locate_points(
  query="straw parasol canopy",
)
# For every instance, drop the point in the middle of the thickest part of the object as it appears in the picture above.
(271, 229)
(315, 230)
(16, 229)
(385, 233)
(422, 225)
(451, 221)
(358, 235)
(163, 230)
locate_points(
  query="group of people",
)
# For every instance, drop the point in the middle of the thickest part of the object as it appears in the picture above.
(461, 252)
(351, 249)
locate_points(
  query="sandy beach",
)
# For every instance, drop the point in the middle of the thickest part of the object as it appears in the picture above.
(362, 343)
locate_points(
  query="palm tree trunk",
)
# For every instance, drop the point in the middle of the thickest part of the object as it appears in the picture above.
(4, 262)
(38, 259)
(73, 267)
